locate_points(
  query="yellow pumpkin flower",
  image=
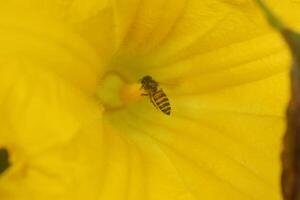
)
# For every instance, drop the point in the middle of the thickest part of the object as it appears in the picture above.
(76, 126)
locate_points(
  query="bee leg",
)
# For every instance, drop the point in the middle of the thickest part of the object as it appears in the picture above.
(143, 94)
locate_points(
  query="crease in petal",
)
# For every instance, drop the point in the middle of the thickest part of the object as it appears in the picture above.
(206, 192)
(159, 171)
(174, 139)
(67, 171)
(252, 98)
(53, 131)
(52, 46)
(24, 102)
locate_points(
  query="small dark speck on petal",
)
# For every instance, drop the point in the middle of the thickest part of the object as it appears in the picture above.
(4, 160)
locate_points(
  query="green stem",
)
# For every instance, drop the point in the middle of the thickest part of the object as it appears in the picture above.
(273, 20)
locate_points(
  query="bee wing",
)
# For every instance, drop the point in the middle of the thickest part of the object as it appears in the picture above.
(168, 84)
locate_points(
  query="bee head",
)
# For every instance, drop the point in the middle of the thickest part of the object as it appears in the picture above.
(148, 83)
(146, 79)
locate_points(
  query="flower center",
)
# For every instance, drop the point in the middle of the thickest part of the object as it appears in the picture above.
(115, 93)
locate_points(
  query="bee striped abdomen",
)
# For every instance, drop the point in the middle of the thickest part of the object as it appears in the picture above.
(162, 101)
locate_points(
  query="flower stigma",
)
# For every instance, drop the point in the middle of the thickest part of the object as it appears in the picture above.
(114, 92)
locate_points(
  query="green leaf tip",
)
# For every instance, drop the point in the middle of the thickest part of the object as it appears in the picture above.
(273, 20)
(291, 37)
(4, 160)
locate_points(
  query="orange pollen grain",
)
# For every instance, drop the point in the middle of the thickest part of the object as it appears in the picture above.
(131, 93)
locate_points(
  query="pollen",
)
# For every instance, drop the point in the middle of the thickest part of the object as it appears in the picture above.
(115, 92)
(131, 93)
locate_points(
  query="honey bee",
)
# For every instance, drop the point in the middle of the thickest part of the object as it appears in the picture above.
(157, 96)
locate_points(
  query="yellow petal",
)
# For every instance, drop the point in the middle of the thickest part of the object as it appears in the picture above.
(201, 35)
(222, 67)
(92, 20)
(225, 72)
(72, 11)
(52, 46)
(53, 133)
(210, 147)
